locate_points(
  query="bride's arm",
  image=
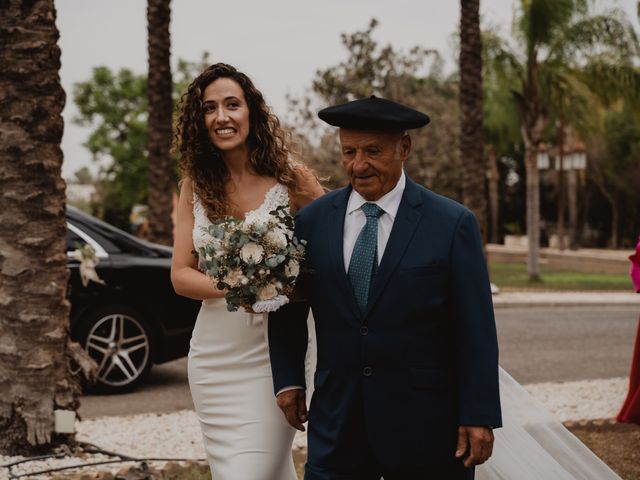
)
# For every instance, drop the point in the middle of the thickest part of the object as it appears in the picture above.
(187, 280)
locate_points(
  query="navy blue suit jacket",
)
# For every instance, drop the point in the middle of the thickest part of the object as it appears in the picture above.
(421, 360)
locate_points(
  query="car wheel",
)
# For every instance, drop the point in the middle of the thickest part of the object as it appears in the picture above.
(121, 342)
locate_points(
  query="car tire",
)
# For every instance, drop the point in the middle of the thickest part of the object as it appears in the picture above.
(121, 342)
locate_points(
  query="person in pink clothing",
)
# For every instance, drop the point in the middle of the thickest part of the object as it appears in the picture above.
(630, 412)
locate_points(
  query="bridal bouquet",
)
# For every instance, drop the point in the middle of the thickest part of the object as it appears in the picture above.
(256, 260)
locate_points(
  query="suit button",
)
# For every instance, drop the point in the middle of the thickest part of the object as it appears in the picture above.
(364, 330)
(367, 371)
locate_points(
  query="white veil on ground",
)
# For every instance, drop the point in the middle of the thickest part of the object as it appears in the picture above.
(533, 445)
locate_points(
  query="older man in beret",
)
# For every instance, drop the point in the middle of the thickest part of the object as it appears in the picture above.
(406, 385)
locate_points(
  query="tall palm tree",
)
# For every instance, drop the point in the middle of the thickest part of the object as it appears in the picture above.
(556, 41)
(499, 125)
(470, 98)
(161, 165)
(34, 314)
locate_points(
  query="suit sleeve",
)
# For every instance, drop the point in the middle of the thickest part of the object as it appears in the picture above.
(477, 344)
(288, 339)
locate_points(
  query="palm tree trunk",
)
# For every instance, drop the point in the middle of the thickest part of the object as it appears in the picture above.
(471, 144)
(34, 314)
(598, 179)
(161, 167)
(494, 180)
(615, 219)
(560, 189)
(573, 209)
(533, 213)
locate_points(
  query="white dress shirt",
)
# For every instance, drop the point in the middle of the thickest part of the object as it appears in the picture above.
(355, 219)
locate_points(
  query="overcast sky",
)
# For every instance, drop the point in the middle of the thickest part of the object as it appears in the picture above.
(279, 43)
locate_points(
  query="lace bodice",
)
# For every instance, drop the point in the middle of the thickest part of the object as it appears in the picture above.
(275, 197)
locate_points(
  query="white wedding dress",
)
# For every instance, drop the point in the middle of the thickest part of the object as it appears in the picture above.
(246, 436)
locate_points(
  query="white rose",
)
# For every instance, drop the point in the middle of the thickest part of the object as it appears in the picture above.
(292, 269)
(234, 277)
(267, 292)
(245, 227)
(276, 238)
(251, 253)
(254, 219)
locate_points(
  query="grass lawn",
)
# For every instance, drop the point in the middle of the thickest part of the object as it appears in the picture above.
(514, 276)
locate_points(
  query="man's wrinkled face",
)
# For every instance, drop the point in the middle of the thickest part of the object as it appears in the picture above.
(373, 160)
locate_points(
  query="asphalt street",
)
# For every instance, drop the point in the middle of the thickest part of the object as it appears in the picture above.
(566, 343)
(537, 344)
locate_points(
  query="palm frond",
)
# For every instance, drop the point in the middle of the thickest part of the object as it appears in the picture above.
(500, 63)
(610, 32)
(539, 19)
(613, 81)
(571, 98)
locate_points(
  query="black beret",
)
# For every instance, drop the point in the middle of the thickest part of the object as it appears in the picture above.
(373, 113)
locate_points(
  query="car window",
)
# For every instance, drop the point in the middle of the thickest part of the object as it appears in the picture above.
(78, 236)
(73, 241)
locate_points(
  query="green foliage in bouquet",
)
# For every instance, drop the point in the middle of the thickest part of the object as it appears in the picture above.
(256, 260)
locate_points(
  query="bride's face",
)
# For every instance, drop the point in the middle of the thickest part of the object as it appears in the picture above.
(226, 114)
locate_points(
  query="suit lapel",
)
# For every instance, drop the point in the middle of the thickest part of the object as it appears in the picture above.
(335, 232)
(404, 226)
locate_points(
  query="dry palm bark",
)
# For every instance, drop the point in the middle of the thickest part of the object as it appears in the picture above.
(161, 167)
(35, 375)
(471, 144)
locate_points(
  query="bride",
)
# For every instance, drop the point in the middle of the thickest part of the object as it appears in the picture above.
(234, 162)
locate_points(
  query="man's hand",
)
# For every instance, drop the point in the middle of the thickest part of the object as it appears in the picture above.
(474, 443)
(294, 405)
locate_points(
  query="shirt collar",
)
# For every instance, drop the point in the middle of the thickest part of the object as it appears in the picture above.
(389, 202)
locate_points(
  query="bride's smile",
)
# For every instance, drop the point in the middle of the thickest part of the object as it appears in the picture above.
(226, 114)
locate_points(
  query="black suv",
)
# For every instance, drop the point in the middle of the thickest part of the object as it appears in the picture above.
(135, 319)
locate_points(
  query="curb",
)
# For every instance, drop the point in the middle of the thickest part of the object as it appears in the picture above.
(569, 299)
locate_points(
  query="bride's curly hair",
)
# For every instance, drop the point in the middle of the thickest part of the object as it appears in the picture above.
(202, 162)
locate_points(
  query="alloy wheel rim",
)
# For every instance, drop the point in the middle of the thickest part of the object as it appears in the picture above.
(120, 346)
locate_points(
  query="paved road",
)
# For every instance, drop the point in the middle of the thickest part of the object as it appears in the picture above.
(536, 345)
(566, 343)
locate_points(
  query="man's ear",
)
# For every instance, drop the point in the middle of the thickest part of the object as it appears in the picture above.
(405, 146)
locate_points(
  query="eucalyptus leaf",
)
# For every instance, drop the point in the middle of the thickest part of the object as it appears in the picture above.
(271, 262)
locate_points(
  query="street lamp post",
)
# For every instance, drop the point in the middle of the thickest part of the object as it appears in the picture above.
(578, 162)
(570, 160)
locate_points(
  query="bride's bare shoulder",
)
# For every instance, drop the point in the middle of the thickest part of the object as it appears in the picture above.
(186, 185)
(308, 186)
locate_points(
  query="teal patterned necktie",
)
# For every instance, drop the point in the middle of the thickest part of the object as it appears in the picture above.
(364, 257)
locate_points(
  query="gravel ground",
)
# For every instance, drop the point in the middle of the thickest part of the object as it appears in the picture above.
(177, 435)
